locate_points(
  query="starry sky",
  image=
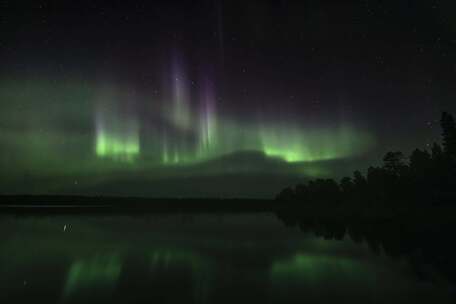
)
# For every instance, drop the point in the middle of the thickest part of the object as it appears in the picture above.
(215, 98)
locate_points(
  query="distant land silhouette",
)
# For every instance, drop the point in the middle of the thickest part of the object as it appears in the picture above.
(104, 204)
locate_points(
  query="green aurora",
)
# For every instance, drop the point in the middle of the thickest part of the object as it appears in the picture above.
(99, 130)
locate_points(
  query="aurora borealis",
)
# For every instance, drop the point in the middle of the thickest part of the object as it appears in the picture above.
(182, 130)
(208, 99)
(117, 130)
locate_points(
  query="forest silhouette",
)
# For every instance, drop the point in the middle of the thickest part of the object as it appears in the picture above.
(405, 207)
(424, 179)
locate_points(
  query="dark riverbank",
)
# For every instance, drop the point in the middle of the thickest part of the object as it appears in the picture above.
(290, 213)
(64, 204)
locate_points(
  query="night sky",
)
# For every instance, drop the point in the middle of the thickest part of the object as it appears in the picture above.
(215, 98)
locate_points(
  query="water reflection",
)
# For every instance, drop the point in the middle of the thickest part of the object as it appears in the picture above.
(211, 259)
(94, 276)
(166, 261)
(330, 279)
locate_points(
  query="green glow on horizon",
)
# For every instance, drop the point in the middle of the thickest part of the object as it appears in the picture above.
(175, 152)
(300, 145)
(207, 132)
(170, 158)
(117, 148)
(92, 129)
(288, 142)
(117, 133)
(288, 155)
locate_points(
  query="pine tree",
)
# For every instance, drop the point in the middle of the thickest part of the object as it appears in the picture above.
(394, 162)
(448, 135)
(437, 153)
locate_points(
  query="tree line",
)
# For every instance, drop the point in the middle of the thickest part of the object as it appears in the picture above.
(423, 178)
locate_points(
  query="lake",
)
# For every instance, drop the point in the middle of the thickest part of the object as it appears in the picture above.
(207, 258)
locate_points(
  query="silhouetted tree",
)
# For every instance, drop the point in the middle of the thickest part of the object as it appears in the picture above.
(425, 178)
(331, 190)
(347, 185)
(360, 183)
(437, 152)
(448, 135)
(301, 191)
(420, 162)
(420, 175)
(324, 191)
(394, 162)
(379, 181)
(286, 194)
(359, 180)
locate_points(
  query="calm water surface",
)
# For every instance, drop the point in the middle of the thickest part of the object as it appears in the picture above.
(200, 259)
